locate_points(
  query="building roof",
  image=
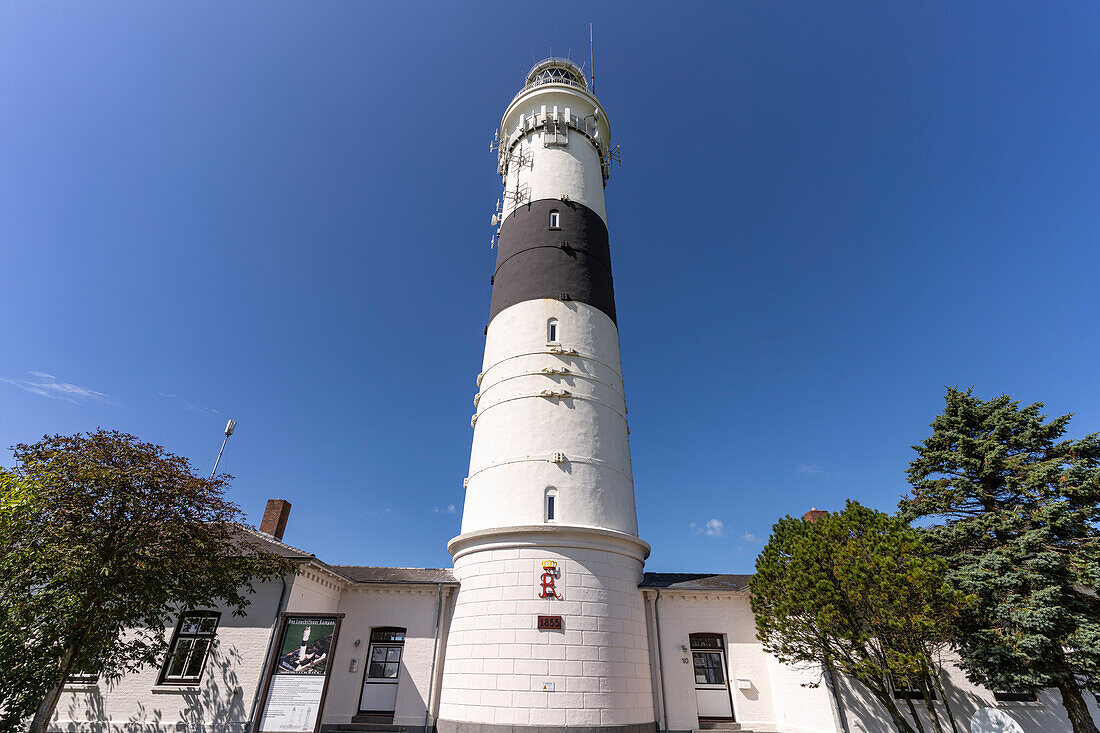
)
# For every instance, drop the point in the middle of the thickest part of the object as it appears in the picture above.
(695, 581)
(370, 574)
(270, 544)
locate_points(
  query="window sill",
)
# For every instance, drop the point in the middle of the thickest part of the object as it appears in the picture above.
(188, 689)
(80, 687)
(1017, 704)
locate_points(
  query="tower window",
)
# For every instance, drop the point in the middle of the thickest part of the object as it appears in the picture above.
(551, 504)
(555, 219)
(552, 331)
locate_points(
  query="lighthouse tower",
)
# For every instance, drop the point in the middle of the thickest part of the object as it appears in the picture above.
(549, 629)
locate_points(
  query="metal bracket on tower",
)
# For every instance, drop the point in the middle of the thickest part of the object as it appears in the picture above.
(556, 395)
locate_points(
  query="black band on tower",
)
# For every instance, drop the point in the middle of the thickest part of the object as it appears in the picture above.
(569, 262)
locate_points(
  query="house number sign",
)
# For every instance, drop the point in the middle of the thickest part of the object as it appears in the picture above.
(548, 578)
(550, 623)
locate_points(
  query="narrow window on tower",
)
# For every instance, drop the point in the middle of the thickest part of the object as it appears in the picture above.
(551, 504)
(552, 331)
(555, 219)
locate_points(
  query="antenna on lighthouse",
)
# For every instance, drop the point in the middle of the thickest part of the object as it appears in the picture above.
(229, 428)
(591, 60)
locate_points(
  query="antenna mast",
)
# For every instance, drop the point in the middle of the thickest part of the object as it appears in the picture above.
(591, 60)
(229, 426)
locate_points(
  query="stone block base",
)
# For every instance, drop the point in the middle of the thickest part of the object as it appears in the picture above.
(455, 726)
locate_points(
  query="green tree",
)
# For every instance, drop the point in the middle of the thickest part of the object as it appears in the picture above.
(105, 539)
(1015, 508)
(860, 592)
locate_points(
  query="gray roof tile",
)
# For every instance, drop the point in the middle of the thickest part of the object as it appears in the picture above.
(695, 581)
(369, 574)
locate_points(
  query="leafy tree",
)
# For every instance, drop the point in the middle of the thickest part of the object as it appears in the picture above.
(104, 540)
(1015, 509)
(860, 592)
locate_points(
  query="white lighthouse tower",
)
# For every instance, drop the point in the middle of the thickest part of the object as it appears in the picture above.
(549, 629)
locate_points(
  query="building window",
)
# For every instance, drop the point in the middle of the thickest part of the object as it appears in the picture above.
(706, 656)
(191, 644)
(1015, 696)
(385, 653)
(555, 219)
(81, 677)
(551, 504)
(905, 689)
(552, 331)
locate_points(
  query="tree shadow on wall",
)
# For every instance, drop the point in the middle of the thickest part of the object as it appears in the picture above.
(214, 706)
(217, 705)
(87, 704)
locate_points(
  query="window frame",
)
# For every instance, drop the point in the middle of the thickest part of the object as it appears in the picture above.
(905, 690)
(552, 334)
(388, 644)
(80, 678)
(1015, 696)
(550, 505)
(555, 220)
(212, 636)
(709, 647)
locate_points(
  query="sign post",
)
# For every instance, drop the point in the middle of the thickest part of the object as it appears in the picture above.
(297, 678)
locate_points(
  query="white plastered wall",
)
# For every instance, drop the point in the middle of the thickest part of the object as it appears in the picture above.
(136, 702)
(411, 607)
(776, 699)
(315, 591)
(223, 699)
(518, 430)
(498, 662)
(1046, 715)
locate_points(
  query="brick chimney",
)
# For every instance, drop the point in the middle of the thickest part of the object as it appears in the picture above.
(813, 515)
(275, 516)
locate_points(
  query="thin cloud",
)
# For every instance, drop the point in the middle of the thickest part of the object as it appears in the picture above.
(750, 537)
(187, 404)
(712, 528)
(812, 469)
(449, 509)
(49, 386)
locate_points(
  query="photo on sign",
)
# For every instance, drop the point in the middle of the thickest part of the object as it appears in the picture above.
(306, 647)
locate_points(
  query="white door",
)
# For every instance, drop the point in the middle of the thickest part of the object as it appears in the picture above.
(712, 692)
(383, 668)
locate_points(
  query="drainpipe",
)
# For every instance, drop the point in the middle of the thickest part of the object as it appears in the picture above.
(435, 649)
(660, 663)
(252, 722)
(838, 707)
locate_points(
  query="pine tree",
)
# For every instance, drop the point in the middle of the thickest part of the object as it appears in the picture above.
(1015, 510)
(861, 593)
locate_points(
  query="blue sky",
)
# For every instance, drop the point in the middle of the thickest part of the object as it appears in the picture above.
(279, 213)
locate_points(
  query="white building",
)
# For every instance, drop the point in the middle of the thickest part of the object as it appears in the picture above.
(548, 621)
